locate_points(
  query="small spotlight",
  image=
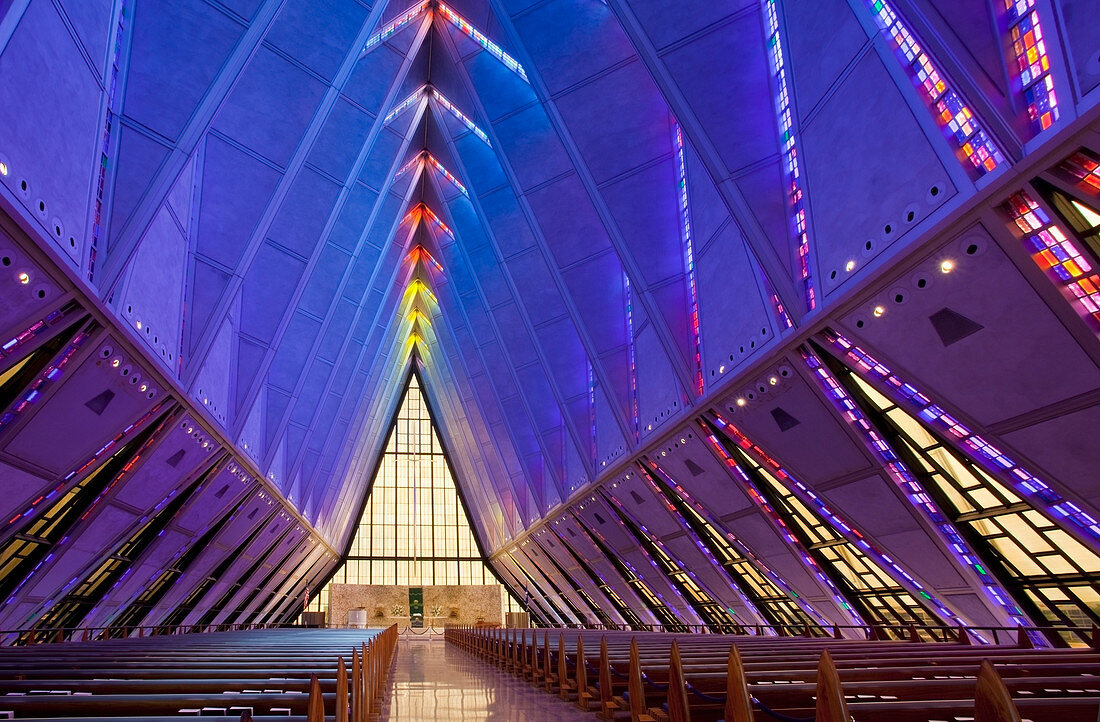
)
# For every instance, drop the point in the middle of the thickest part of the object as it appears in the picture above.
(115, 362)
(23, 278)
(849, 266)
(879, 310)
(773, 381)
(3, 168)
(947, 266)
(722, 369)
(740, 402)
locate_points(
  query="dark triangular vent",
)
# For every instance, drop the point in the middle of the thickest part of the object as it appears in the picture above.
(694, 468)
(175, 459)
(599, 519)
(636, 497)
(98, 404)
(952, 326)
(572, 533)
(784, 420)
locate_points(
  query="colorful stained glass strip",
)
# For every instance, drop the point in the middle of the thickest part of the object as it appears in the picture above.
(29, 334)
(395, 25)
(434, 163)
(984, 453)
(633, 357)
(461, 116)
(413, 99)
(1084, 168)
(689, 259)
(1031, 64)
(427, 212)
(48, 376)
(1055, 251)
(948, 108)
(410, 165)
(790, 152)
(478, 37)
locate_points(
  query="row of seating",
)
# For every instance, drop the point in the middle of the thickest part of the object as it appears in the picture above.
(258, 675)
(650, 676)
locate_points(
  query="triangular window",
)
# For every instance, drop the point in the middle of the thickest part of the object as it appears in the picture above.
(414, 529)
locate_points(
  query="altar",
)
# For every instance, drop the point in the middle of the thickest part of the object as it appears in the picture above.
(380, 605)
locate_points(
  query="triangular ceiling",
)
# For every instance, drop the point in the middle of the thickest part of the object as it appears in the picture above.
(551, 208)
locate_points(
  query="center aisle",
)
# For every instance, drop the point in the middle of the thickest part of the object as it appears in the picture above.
(433, 680)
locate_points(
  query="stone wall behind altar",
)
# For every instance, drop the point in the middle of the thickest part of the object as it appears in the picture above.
(460, 604)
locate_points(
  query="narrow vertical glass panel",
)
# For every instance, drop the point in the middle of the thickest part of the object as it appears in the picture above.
(414, 529)
(785, 115)
(1029, 63)
(631, 353)
(689, 258)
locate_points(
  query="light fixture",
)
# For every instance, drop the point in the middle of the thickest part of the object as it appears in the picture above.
(878, 311)
(740, 402)
(773, 380)
(3, 168)
(947, 266)
(850, 265)
(23, 277)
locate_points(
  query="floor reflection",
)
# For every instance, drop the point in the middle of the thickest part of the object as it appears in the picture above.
(434, 681)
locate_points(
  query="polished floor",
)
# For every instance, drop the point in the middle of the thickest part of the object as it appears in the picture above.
(433, 680)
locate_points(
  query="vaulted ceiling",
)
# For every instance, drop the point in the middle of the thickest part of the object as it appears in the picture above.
(588, 222)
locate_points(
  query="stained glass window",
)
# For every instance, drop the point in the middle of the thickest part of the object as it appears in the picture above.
(414, 529)
(1051, 574)
(714, 615)
(864, 576)
(948, 109)
(763, 591)
(1030, 64)
(1059, 252)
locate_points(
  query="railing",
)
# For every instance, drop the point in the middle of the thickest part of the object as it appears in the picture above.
(50, 635)
(1051, 635)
